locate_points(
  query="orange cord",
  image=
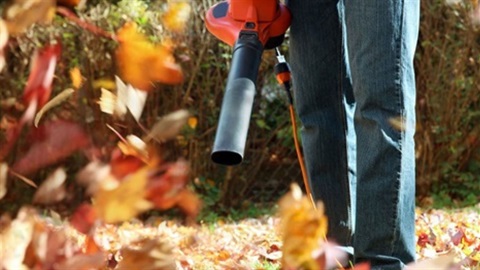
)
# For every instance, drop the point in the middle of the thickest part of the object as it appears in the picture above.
(300, 156)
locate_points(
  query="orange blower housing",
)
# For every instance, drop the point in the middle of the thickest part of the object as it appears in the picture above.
(250, 26)
(269, 19)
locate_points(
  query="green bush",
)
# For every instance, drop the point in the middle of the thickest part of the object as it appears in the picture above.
(448, 108)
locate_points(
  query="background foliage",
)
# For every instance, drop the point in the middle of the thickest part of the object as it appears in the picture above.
(447, 62)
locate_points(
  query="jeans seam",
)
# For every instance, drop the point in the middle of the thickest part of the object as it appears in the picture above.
(398, 90)
(341, 59)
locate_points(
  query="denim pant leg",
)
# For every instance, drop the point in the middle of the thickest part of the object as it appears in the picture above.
(318, 68)
(381, 40)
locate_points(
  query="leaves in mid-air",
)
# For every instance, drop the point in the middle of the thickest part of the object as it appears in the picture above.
(141, 63)
(50, 143)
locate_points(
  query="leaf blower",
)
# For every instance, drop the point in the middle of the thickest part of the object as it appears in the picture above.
(250, 27)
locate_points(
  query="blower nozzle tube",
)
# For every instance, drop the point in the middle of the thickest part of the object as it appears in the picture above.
(235, 113)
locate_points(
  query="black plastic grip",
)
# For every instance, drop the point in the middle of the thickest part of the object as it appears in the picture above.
(235, 113)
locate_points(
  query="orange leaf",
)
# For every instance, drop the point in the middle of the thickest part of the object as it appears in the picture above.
(176, 16)
(76, 77)
(154, 254)
(125, 201)
(141, 63)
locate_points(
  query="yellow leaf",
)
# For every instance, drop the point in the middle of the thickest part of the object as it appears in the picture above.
(76, 77)
(192, 122)
(303, 228)
(124, 202)
(141, 63)
(176, 16)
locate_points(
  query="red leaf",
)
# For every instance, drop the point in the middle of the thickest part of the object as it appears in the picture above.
(39, 84)
(163, 190)
(51, 143)
(83, 218)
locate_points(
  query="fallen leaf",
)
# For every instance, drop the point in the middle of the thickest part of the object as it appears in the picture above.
(57, 100)
(52, 190)
(141, 63)
(152, 254)
(168, 126)
(445, 262)
(3, 179)
(21, 14)
(124, 202)
(49, 144)
(71, 3)
(176, 16)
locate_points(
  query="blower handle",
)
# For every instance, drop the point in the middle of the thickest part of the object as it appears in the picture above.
(231, 135)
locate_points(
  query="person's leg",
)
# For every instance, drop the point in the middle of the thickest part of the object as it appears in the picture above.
(319, 72)
(381, 38)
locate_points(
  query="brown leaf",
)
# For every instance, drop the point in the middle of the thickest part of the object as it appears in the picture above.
(141, 63)
(151, 254)
(51, 143)
(52, 190)
(21, 14)
(57, 100)
(168, 126)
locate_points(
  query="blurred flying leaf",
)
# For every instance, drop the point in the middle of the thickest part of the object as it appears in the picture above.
(176, 16)
(141, 63)
(83, 218)
(152, 254)
(57, 100)
(3, 42)
(168, 126)
(124, 202)
(127, 97)
(52, 190)
(3, 179)
(76, 77)
(167, 183)
(304, 229)
(39, 85)
(21, 14)
(15, 238)
(192, 122)
(49, 144)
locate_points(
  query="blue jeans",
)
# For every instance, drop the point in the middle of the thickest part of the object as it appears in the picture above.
(352, 65)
